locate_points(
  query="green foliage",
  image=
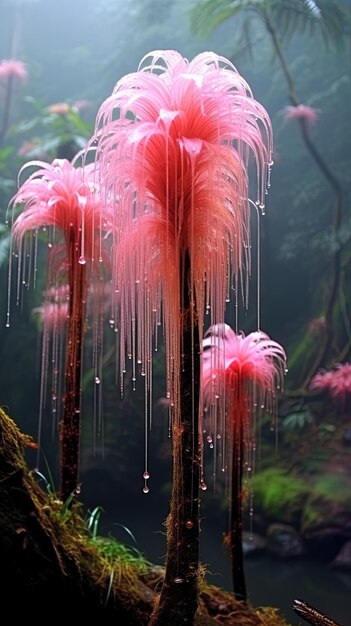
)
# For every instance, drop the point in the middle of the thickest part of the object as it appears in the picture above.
(328, 17)
(333, 487)
(279, 494)
(50, 132)
(298, 420)
(329, 502)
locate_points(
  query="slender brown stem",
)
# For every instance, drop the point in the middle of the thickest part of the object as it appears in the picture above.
(7, 108)
(177, 602)
(70, 425)
(235, 535)
(327, 341)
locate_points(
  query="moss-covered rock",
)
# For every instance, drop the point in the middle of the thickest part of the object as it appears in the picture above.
(279, 496)
(329, 502)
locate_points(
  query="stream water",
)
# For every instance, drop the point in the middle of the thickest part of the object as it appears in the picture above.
(271, 581)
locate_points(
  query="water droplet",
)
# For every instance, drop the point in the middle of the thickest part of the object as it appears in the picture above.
(146, 489)
(82, 260)
(146, 475)
(219, 436)
(178, 580)
(211, 445)
(209, 439)
(97, 380)
(189, 524)
(77, 490)
(203, 486)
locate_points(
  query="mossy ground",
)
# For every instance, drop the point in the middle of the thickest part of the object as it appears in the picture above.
(52, 558)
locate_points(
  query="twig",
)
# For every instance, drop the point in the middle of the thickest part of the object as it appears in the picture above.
(311, 615)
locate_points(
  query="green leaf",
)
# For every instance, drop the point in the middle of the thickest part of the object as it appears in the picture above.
(207, 15)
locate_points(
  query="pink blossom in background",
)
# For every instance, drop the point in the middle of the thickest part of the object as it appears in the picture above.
(336, 382)
(54, 310)
(302, 111)
(81, 105)
(12, 68)
(59, 108)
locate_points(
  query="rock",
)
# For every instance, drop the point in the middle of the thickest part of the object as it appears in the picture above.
(325, 541)
(252, 542)
(284, 541)
(343, 558)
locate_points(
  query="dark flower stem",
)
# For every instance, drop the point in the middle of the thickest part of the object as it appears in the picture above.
(177, 602)
(7, 108)
(70, 425)
(235, 536)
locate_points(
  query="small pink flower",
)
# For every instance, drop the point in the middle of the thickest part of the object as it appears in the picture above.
(11, 67)
(59, 108)
(336, 382)
(249, 368)
(81, 105)
(53, 315)
(302, 111)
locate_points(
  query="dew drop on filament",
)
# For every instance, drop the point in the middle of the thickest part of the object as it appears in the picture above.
(82, 260)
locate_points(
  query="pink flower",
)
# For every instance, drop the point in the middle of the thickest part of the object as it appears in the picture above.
(240, 376)
(173, 145)
(12, 68)
(302, 111)
(66, 198)
(336, 382)
(81, 105)
(59, 108)
(54, 310)
(244, 371)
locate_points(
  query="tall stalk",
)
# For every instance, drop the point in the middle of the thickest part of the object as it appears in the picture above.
(177, 603)
(234, 538)
(71, 422)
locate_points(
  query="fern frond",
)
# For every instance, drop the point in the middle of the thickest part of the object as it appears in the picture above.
(327, 17)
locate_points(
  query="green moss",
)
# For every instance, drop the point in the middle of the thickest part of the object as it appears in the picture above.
(334, 488)
(279, 495)
(328, 504)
